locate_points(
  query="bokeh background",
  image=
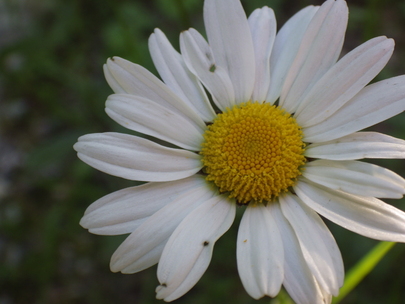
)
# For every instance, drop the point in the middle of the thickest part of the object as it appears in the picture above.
(52, 90)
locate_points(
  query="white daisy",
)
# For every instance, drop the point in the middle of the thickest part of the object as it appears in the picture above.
(278, 134)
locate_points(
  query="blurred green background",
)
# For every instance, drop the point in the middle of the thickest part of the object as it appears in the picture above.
(52, 90)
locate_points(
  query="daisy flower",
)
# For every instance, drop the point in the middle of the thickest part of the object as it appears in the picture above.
(252, 118)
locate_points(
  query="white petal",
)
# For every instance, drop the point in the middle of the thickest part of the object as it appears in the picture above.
(263, 27)
(344, 80)
(325, 296)
(260, 253)
(200, 60)
(356, 177)
(112, 81)
(367, 216)
(123, 211)
(188, 252)
(357, 146)
(319, 50)
(231, 42)
(375, 103)
(136, 158)
(144, 246)
(285, 49)
(317, 243)
(171, 67)
(298, 279)
(136, 80)
(147, 117)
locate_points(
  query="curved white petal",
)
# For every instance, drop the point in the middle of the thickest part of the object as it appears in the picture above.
(136, 80)
(147, 117)
(285, 49)
(171, 67)
(317, 243)
(231, 42)
(263, 27)
(367, 216)
(375, 103)
(188, 252)
(135, 158)
(199, 59)
(144, 246)
(356, 177)
(324, 295)
(123, 211)
(112, 81)
(344, 80)
(260, 253)
(357, 146)
(319, 50)
(298, 279)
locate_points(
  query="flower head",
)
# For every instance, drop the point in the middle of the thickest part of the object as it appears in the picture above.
(278, 135)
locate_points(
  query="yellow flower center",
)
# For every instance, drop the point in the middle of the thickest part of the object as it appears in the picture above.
(253, 151)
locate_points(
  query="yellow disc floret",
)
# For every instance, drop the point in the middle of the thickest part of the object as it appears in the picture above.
(253, 151)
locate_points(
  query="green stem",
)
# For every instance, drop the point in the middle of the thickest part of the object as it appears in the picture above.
(362, 268)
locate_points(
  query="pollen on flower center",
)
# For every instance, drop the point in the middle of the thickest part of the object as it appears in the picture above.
(253, 151)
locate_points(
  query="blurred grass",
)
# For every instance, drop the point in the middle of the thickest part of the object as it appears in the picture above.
(52, 90)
